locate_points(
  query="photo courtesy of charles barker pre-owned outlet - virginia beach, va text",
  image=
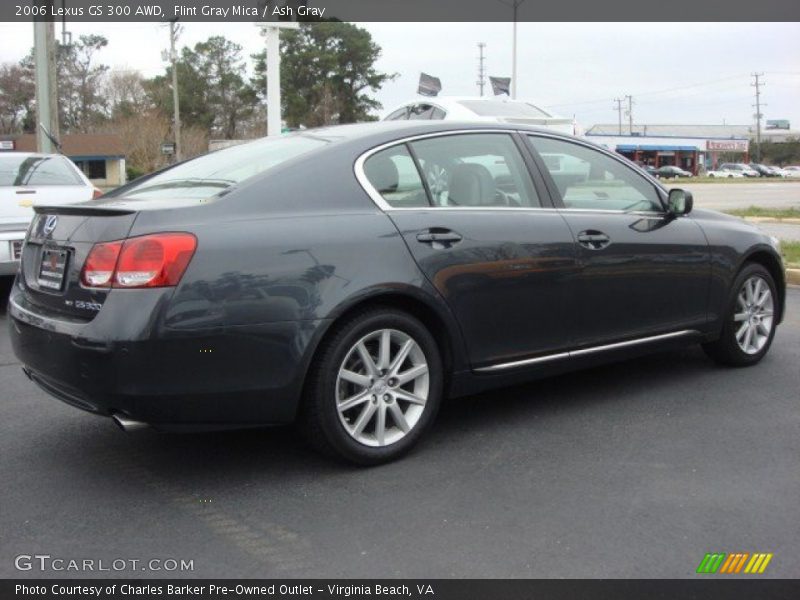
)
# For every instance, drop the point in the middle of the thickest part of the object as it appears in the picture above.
(423, 299)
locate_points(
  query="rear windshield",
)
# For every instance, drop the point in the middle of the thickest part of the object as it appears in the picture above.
(208, 175)
(491, 108)
(25, 170)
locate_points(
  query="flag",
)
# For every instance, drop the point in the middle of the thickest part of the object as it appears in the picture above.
(429, 85)
(501, 85)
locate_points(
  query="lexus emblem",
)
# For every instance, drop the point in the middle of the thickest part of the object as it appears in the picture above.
(50, 224)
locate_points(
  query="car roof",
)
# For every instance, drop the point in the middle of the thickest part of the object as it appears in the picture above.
(28, 154)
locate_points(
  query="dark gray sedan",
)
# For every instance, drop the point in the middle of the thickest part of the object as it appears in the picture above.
(349, 278)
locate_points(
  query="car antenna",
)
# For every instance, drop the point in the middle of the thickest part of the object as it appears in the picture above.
(51, 138)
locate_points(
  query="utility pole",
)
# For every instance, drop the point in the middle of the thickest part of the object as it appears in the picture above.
(629, 112)
(481, 67)
(44, 44)
(758, 83)
(174, 31)
(619, 113)
(272, 31)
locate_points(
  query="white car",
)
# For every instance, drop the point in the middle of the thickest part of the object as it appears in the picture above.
(725, 173)
(26, 180)
(791, 171)
(482, 109)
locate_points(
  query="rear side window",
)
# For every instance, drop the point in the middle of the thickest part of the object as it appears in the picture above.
(420, 112)
(475, 170)
(37, 171)
(394, 175)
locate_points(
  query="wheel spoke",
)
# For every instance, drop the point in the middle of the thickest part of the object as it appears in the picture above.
(401, 357)
(763, 329)
(765, 313)
(355, 378)
(384, 350)
(364, 418)
(748, 336)
(742, 330)
(380, 425)
(398, 417)
(366, 358)
(409, 397)
(353, 401)
(757, 289)
(411, 374)
(741, 317)
(748, 290)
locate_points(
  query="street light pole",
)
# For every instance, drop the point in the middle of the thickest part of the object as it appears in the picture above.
(514, 4)
(272, 32)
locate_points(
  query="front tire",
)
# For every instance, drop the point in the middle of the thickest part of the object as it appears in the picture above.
(374, 388)
(750, 319)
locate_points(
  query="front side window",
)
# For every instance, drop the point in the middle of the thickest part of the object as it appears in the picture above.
(36, 171)
(474, 170)
(588, 179)
(394, 175)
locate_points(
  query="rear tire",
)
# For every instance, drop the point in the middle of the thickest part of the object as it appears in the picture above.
(374, 388)
(750, 319)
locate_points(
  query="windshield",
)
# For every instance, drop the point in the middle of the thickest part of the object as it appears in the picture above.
(26, 170)
(208, 175)
(493, 108)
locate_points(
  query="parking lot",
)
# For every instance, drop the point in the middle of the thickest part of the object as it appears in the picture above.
(729, 196)
(633, 470)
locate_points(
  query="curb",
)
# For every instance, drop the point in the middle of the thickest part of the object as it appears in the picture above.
(793, 276)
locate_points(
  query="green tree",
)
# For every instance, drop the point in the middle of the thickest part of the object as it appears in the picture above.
(17, 92)
(327, 74)
(212, 89)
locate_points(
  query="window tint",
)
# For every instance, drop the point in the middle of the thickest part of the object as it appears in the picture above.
(401, 114)
(475, 170)
(37, 170)
(587, 178)
(420, 112)
(393, 173)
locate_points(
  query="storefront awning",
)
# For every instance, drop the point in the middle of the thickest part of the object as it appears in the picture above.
(655, 148)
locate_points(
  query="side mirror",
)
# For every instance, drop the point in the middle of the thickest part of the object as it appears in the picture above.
(680, 202)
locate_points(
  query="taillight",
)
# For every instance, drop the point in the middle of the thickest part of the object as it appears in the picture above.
(96, 193)
(157, 260)
(98, 270)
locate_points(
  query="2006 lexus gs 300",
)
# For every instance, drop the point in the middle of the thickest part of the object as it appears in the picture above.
(351, 277)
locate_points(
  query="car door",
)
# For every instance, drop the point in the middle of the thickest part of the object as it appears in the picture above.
(483, 233)
(642, 270)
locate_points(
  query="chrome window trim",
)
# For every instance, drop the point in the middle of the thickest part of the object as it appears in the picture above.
(585, 351)
(377, 199)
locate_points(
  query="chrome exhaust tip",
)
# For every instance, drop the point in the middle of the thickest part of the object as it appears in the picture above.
(127, 424)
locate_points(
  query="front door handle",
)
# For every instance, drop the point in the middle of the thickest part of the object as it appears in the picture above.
(439, 237)
(593, 240)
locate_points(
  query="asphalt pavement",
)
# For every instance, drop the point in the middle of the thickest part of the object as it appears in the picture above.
(631, 470)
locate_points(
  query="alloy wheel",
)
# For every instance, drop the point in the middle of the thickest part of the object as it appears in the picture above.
(754, 315)
(382, 387)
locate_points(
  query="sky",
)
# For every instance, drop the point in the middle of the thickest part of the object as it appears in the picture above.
(682, 73)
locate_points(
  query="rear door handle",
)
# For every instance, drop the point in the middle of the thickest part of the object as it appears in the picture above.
(593, 240)
(438, 236)
(26, 191)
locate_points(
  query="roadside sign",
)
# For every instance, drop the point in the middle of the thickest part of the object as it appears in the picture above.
(168, 148)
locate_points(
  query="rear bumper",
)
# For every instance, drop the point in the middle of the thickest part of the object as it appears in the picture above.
(220, 377)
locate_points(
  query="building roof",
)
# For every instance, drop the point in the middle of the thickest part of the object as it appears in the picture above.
(720, 132)
(76, 145)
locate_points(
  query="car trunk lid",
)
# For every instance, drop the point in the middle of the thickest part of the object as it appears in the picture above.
(58, 242)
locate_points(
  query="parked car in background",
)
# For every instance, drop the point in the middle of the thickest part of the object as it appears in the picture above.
(725, 174)
(776, 171)
(650, 170)
(742, 168)
(791, 171)
(353, 276)
(480, 109)
(764, 170)
(671, 172)
(28, 180)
